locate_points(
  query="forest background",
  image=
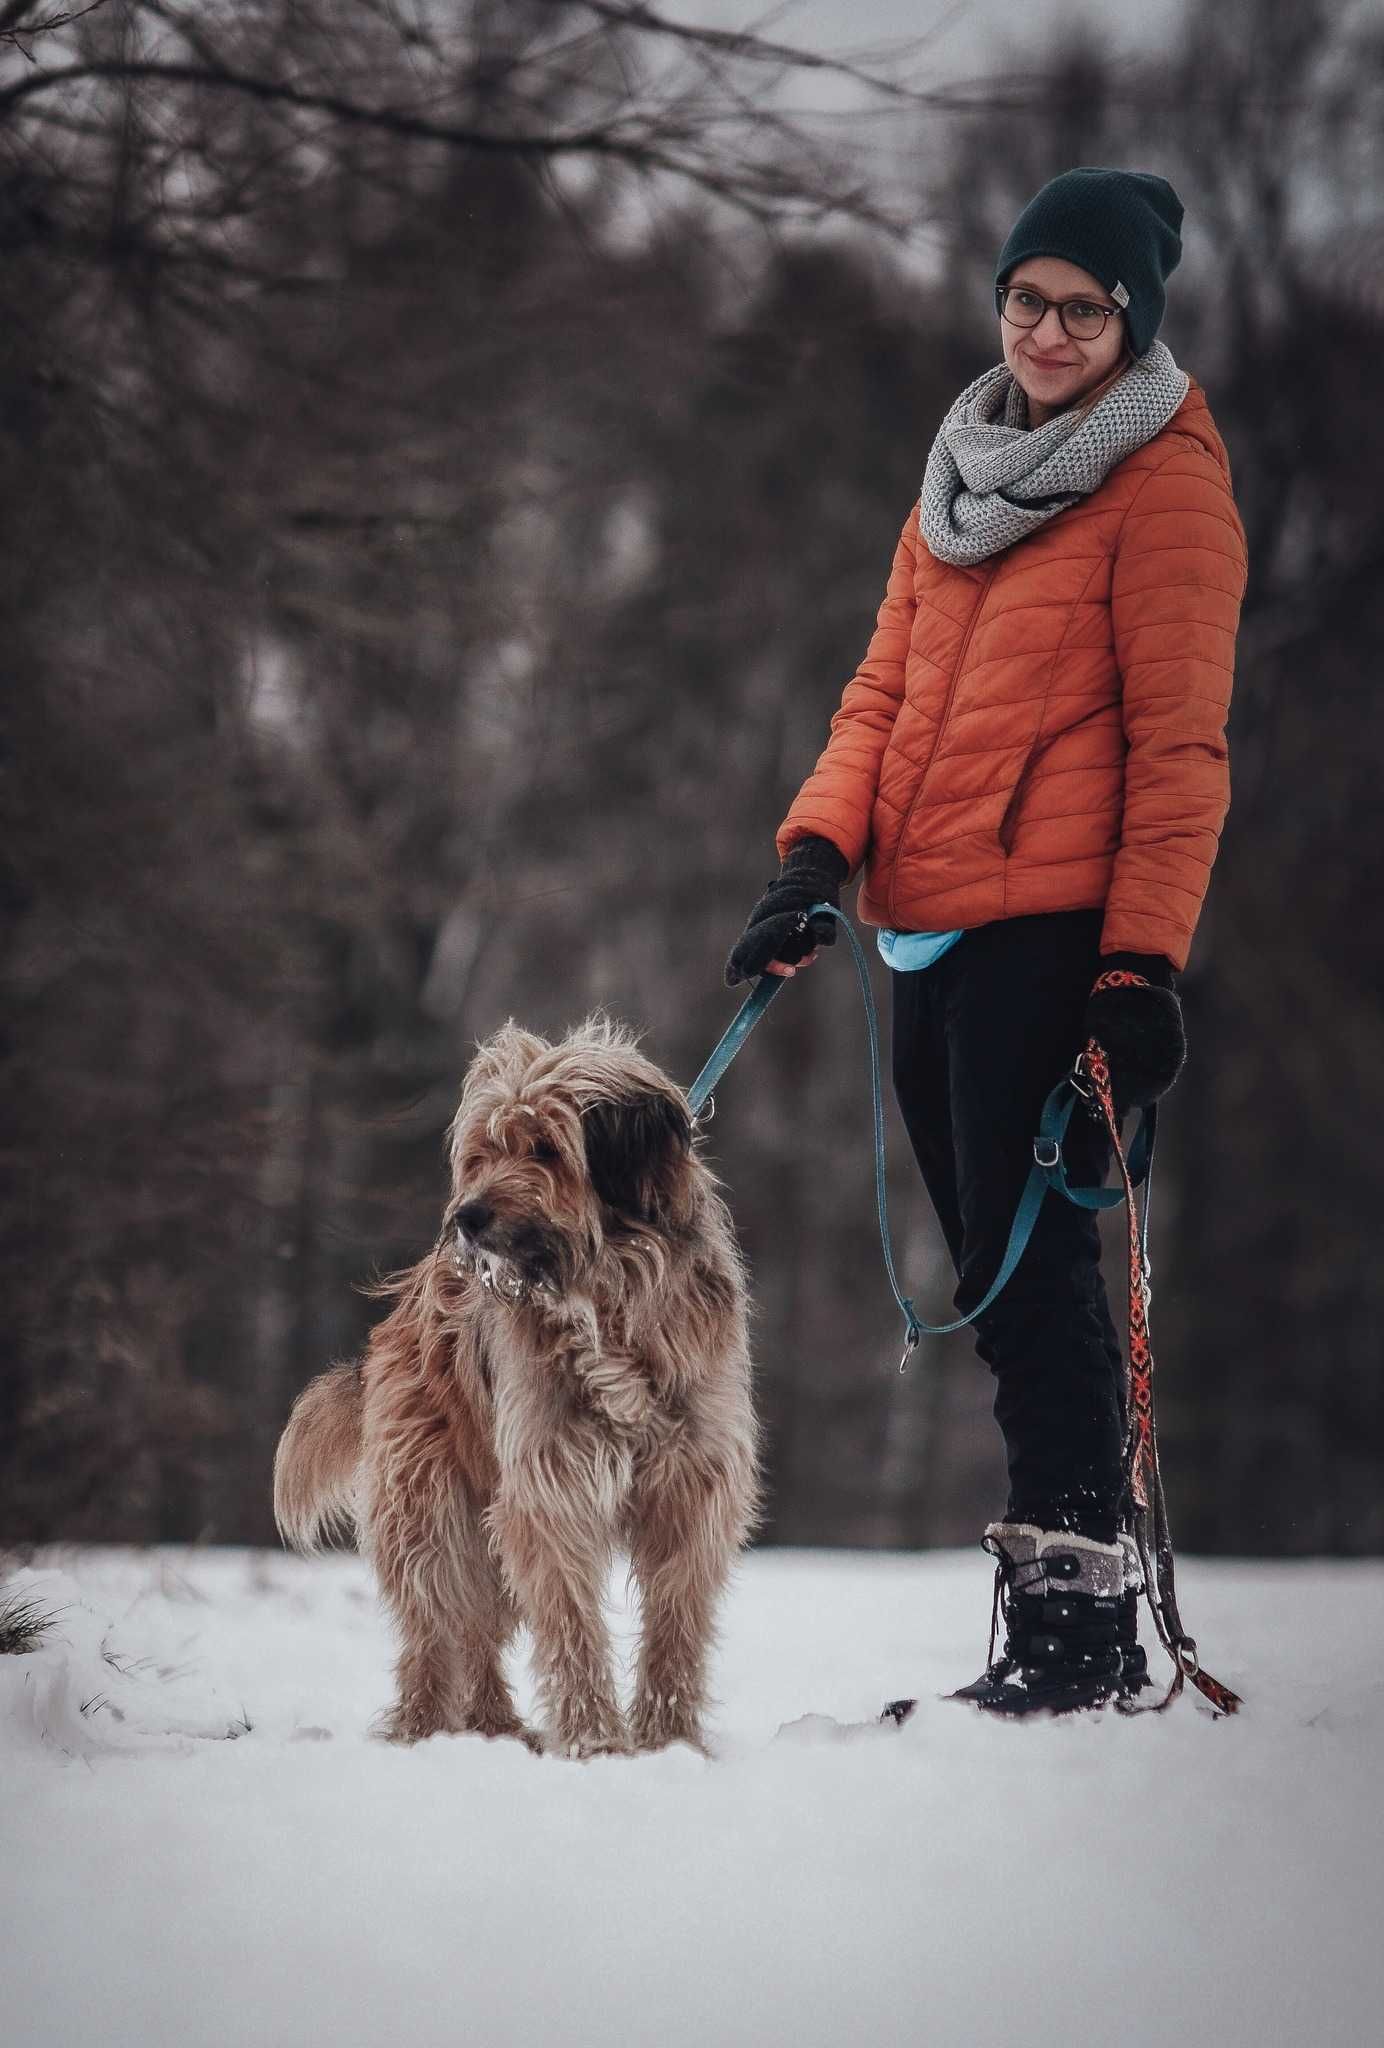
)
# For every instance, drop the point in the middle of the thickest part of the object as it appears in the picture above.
(451, 458)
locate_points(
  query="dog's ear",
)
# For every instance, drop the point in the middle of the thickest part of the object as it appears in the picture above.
(635, 1148)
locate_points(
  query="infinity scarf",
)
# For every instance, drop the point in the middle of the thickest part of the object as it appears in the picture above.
(991, 478)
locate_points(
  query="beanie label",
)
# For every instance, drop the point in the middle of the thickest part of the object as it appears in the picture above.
(1119, 294)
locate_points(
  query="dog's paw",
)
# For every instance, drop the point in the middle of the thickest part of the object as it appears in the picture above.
(495, 1730)
(599, 1733)
(657, 1723)
(580, 1748)
(409, 1721)
(402, 1732)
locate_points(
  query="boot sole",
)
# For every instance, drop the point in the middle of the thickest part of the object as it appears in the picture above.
(1098, 1694)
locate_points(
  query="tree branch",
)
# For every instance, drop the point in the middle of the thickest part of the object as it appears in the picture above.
(13, 28)
(740, 43)
(649, 142)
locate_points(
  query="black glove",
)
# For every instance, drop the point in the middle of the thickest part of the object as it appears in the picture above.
(812, 873)
(1139, 1028)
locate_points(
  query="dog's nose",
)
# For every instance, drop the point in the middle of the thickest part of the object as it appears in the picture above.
(472, 1217)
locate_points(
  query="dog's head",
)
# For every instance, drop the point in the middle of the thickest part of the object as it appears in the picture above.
(557, 1148)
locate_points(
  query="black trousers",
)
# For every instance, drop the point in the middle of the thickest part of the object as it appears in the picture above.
(980, 1038)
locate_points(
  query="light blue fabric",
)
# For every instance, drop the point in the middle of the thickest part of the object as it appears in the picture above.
(906, 952)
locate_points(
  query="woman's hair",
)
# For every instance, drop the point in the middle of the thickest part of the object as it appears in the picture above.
(1094, 397)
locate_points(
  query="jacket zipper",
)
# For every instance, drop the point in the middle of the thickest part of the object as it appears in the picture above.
(941, 728)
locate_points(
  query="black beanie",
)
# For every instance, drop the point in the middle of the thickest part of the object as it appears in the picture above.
(1122, 226)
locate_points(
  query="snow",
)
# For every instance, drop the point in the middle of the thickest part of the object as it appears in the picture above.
(200, 1843)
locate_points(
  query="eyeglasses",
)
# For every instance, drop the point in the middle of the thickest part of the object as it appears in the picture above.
(1083, 319)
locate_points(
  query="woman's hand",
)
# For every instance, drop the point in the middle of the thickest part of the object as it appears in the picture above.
(774, 940)
(1137, 1020)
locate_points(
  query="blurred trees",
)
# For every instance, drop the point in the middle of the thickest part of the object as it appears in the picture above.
(437, 543)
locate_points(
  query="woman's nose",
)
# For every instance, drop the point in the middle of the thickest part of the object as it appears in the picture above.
(1050, 332)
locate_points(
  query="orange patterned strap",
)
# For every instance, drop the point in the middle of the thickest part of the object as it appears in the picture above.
(1221, 1697)
(1119, 977)
(1143, 1478)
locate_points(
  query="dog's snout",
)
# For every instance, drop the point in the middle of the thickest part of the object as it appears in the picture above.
(472, 1217)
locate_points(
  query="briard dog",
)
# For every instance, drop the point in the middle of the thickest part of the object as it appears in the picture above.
(565, 1375)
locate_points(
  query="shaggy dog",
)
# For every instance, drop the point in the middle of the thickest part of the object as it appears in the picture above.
(565, 1374)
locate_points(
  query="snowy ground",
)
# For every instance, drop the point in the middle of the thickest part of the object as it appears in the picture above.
(958, 1882)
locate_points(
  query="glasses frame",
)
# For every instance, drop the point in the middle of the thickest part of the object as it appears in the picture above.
(1059, 306)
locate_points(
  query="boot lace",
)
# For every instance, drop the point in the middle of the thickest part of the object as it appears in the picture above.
(1012, 1577)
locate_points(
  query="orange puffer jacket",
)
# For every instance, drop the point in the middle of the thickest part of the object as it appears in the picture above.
(1045, 730)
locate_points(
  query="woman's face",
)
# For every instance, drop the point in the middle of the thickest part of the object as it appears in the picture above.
(1053, 369)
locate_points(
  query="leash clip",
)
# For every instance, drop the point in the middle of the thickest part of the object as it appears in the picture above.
(910, 1344)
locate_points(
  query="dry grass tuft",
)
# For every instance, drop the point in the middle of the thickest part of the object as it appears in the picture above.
(23, 1626)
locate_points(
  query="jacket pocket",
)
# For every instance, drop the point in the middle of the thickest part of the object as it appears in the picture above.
(1009, 823)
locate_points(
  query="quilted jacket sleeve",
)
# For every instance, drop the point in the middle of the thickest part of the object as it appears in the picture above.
(836, 800)
(1179, 577)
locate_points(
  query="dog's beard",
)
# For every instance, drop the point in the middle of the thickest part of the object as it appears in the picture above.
(512, 1279)
(502, 1277)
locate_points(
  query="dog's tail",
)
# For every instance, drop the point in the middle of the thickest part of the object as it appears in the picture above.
(316, 1463)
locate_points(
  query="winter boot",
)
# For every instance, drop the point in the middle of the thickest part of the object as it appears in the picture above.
(1134, 1675)
(1060, 1595)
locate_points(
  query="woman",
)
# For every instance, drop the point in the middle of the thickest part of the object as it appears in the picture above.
(1030, 765)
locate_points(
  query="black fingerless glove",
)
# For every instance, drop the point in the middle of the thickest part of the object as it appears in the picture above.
(812, 872)
(1139, 1027)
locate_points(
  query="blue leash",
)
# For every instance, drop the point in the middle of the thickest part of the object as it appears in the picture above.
(1047, 1171)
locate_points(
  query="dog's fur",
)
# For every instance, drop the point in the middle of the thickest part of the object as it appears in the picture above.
(566, 1373)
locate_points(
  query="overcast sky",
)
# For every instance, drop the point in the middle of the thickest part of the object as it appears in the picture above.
(961, 39)
(966, 37)
(953, 41)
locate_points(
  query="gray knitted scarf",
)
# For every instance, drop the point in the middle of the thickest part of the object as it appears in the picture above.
(991, 478)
